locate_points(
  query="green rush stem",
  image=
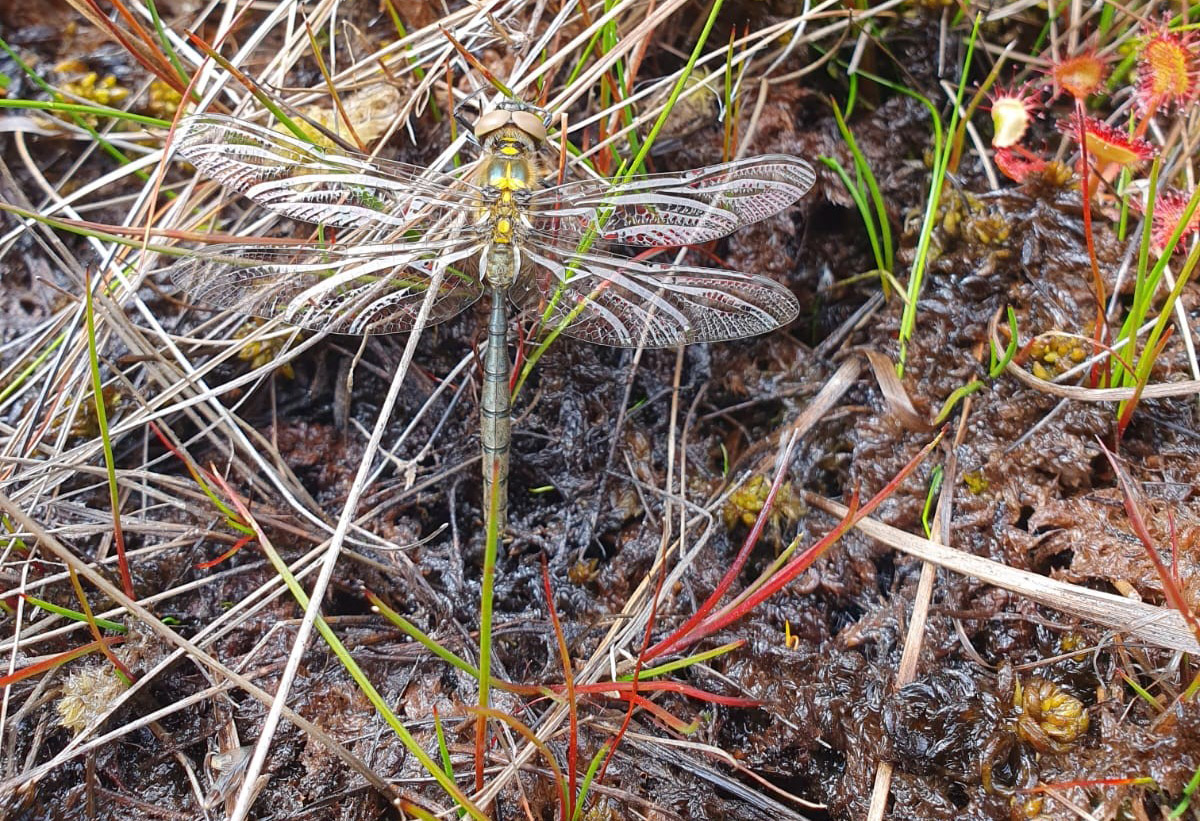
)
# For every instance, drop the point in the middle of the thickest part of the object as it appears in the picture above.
(638, 160)
(77, 108)
(343, 654)
(165, 43)
(630, 169)
(943, 148)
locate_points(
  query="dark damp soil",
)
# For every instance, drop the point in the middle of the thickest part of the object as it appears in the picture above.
(967, 738)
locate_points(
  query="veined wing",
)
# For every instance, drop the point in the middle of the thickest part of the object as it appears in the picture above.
(324, 186)
(371, 289)
(687, 208)
(621, 302)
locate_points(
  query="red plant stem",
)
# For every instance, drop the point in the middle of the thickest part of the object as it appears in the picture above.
(122, 557)
(627, 689)
(151, 56)
(57, 660)
(1100, 334)
(680, 639)
(662, 714)
(1174, 549)
(518, 359)
(646, 634)
(170, 446)
(739, 561)
(569, 686)
(563, 153)
(1171, 591)
(735, 610)
(238, 545)
(638, 54)
(1151, 109)
(619, 689)
(86, 607)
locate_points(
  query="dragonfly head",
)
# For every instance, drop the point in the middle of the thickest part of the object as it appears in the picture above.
(526, 118)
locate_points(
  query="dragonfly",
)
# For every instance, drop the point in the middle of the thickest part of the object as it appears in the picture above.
(419, 237)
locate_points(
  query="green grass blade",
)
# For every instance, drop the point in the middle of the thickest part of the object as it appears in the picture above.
(110, 465)
(74, 615)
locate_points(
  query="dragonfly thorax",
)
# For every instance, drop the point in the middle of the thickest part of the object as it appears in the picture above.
(508, 172)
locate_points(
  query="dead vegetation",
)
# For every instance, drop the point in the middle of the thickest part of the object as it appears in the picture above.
(1007, 631)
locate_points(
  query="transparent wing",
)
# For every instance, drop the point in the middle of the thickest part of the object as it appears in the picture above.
(324, 186)
(614, 301)
(364, 290)
(687, 208)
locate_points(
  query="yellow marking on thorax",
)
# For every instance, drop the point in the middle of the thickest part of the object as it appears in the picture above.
(510, 179)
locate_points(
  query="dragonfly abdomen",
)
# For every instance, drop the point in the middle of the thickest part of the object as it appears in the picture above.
(495, 410)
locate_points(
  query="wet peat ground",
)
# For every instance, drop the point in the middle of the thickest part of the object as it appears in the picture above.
(1033, 490)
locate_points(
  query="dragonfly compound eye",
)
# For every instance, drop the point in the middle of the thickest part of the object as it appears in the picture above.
(522, 119)
(530, 123)
(492, 121)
